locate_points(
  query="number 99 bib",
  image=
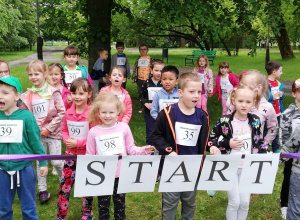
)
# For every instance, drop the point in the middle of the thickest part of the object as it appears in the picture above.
(78, 130)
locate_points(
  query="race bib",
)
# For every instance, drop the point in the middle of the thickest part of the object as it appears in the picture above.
(152, 91)
(187, 134)
(295, 124)
(275, 90)
(201, 76)
(121, 61)
(110, 144)
(40, 108)
(143, 62)
(246, 149)
(78, 130)
(166, 102)
(11, 131)
(71, 75)
(226, 87)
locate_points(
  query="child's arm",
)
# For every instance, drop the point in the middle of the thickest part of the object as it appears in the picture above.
(135, 70)
(91, 144)
(144, 96)
(292, 145)
(271, 123)
(155, 106)
(64, 130)
(90, 80)
(235, 81)
(285, 126)
(128, 112)
(217, 138)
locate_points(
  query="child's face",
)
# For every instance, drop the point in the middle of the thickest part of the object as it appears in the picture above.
(80, 97)
(8, 99)
(156, 71)
(277, 73)
(202, 62)
(108, 114)
(55, 74)
(296, 95)
(36, 78)
(116, 78)
(104, 55)
(223, 70)
(143, 51)
(191, 94)
(243, 102)
(120, 50)
(71, 60)
(4, 71)
(168, 81)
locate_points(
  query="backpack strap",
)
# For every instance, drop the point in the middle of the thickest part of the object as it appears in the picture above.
(167, 111)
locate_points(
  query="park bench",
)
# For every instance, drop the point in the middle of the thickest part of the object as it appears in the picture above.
(211, 54)
(49, 44)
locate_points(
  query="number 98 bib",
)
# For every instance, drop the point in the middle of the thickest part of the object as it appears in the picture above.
(110, 144)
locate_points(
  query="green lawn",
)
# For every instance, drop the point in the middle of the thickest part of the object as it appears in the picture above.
(15, 55)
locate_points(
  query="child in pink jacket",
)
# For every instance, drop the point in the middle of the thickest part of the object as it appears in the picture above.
(117, 77)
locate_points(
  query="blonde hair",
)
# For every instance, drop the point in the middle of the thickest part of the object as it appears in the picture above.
(206, 61)
(256, 97)
(258, 78)
(184, 78)
(100, 100)
(119, 68)
(39, 66)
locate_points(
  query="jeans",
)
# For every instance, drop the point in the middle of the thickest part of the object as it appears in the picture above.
(285, 187)
(149, 127)
(26, 193)
(293, 211)
(275, 144)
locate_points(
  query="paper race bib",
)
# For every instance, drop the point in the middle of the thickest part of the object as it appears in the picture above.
(152, 91)
(40, 108)
(78, 130)
(275, 90)
(201, 76)
(295, 124)
(246, 149)
(226, 87)
(71, 75)
(11, 131)
(110, 144)
(143, 62)
(121, 61)
(187, 134)
(166, 102)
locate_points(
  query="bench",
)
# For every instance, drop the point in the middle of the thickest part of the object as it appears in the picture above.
(211, 54)
(49, 44)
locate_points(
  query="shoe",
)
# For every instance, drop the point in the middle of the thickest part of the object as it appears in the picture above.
(87, 216)
(283, 212)
(44, 196)
(54, 172)
(141, 110)
(276, 151)
(211, 193)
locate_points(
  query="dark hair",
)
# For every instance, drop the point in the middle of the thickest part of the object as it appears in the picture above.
(143, 45)
(101, 50)
(120, 44)
(156, 62)
(296, 85)
(84, 84)
(62, 72)
(224, 65)
(71, 50)
(172, 69)
(272, 66)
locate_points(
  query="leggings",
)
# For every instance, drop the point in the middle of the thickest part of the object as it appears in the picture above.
(203, 102)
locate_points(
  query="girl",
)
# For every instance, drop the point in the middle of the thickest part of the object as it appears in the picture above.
(75, 128)
(117, 77)
(57, 75)
(239, 133)
(105, 111)
(47, 106)
(225, 82)
(203, 71)
(72, 69)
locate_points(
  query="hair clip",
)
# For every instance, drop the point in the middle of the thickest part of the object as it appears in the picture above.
(255, 90)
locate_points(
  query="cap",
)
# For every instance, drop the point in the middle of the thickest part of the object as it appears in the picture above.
(296, 85)
(12, 81)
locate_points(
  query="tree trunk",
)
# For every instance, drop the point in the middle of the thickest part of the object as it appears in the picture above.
(182, 42)
(206, 45)
(226, 47)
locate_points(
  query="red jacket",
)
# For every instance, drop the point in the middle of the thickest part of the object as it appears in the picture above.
(232, 79)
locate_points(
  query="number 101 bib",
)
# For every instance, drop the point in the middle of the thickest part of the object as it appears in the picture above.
(187, 134)
(11, 131)
(40, 108)
(110, 144)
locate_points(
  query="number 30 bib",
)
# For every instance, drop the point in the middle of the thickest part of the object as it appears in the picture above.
(78, 129)
(110, 144)
(187, 134)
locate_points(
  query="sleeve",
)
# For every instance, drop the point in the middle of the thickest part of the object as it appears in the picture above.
(64, 130)
(98, 64)
(135, 70)
(217, 137)
(283, 93)
(24, 101)
(128, 67)
(235, 81)
(128, 112)
(271, 95)
(155, 106)
(81, 143)
(285, 126)
(64, 95)
(271, 123)
(91, 144)
(215, 91)
(60, 112)
(90, 80)
(113, 60)
(144, 92)
(130, 146)
(292, 145)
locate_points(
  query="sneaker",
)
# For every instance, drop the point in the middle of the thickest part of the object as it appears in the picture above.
(211, 193)
(87, 216)
(44, 196)
(54, 172)
(276, 151)
(141, 110)
(283, 212)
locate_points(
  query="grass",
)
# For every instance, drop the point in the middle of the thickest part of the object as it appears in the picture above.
(15, 55)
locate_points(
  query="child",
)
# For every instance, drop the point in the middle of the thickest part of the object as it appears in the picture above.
(274, 70)
(104, 112)
(47, 106)
(141, 70)
(121, 59)
(289, 122)
(72, 69)
(167, 95)
(225, 82)
(4, 69)
(183, 112)
(18, 176)
(117, 77)
(57, 75)
(203, 71)
(98, 73)
(75, 128)
(149, 88)
(239, 133)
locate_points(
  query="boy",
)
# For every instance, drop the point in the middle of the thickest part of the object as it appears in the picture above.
(98, 73)
(167, 95)
(170, 119)
(20, 135)
(141, 70)
(149, 88)
(274, 70)
(121, 59)
(290, 137)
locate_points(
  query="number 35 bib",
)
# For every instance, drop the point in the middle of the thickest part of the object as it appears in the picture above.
(110, 144)
(78, 129)
(187, 134)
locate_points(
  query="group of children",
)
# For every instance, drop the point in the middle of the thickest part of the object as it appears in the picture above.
(64, 103)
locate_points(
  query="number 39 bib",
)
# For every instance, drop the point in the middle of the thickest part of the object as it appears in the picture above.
(187, 134)
(78, 129)
(11, 131)
(110, 144)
